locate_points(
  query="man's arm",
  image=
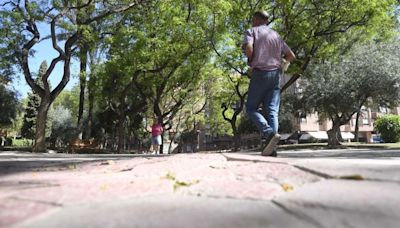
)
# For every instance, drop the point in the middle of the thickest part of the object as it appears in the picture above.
(290, 56)
(247, 46)
(248, 50)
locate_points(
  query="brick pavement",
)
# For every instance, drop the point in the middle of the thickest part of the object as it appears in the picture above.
(297, 189)
(27, 194)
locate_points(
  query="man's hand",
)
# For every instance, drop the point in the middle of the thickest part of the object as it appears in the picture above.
(285, 65)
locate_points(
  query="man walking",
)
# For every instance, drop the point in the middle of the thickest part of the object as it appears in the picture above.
(266, 53)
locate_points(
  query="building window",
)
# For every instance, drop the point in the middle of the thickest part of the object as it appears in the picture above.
(365, 117)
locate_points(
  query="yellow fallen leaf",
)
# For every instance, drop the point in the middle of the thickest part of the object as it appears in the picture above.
(170, 176)
(287, 187)
(179, 184)
(104, 187)
(72, 166)
(111, 162)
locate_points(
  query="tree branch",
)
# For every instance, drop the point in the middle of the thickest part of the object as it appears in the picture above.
(227, 62)
(82, 6)
(108, 13)
(24, 60)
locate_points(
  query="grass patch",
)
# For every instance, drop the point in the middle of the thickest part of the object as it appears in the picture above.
(22, 142)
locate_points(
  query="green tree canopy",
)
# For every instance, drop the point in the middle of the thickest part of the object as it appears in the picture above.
(337, 90)
(8, 105)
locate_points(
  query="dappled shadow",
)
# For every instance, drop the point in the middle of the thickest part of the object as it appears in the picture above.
(13, 162)
(343, 153)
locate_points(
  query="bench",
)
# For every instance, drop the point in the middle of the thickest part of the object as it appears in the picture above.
(82, 145)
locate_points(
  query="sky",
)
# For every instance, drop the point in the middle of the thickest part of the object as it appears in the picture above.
(44, 51)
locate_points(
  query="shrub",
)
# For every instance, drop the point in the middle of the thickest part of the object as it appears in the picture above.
(389, 128)
(246, 126)
(63, 129)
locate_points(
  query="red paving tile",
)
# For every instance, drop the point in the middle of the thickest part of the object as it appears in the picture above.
(27, 194)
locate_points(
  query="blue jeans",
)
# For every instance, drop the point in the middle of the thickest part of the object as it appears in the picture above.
(264, 88)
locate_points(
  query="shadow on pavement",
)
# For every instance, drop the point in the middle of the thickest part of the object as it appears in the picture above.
(14, 162)
(343, 153)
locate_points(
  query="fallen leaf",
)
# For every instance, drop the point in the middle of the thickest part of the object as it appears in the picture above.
(170, 176)
(179, 184)
(104, 187)
(108, 162)
(111, 162)
(287, 187)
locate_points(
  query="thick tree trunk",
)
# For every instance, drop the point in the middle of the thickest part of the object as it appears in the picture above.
(90, 116)
(120, 133)
(172, 139)
(162, 144)
(161, 149)
(356, 131)
(82, 83)
(334, 136)
(40, 138)
(236, 137)
(91, 92)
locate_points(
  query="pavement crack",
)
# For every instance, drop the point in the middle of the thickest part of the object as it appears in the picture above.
(298, 215)
(255, 161)
(228, 197)
(36, 201)
(314, 172)
(352, 177)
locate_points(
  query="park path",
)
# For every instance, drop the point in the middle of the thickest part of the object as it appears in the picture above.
(297, 189)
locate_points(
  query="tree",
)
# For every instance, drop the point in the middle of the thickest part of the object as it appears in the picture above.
(87, 46)
(315, 30)
(8, 105)
(236, 103)
(327, 29)
(338, 90)
(28, 128)
(29, 120)
(169, 50)
(69, 99)
(218, 88)
(120, 102)
(63, 129)
(20, 24)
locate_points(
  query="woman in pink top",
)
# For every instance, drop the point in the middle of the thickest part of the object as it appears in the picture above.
(156, 131)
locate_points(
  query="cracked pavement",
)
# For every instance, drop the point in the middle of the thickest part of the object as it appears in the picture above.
(305, 188)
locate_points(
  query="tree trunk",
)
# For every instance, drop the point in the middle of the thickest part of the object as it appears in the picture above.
(162, 144)
(172, 139)
(40, 138)
(82, 83)
(356, 131)
(236, 137)
(91, 92)
(120, 133)
(334, 136)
